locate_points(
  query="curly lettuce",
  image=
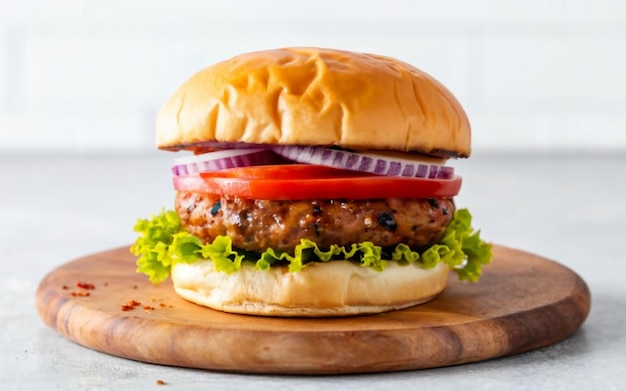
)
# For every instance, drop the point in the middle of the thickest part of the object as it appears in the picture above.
(162, 242)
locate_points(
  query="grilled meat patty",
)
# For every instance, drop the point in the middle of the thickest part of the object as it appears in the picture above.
(255, 225)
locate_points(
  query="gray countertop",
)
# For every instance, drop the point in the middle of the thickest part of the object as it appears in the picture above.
(567, 208)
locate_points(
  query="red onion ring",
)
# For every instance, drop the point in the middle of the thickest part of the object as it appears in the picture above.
(230, 158)
(371, 162)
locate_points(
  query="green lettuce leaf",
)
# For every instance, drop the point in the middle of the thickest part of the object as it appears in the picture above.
(154, 245)
(163, 242)
(461, 248)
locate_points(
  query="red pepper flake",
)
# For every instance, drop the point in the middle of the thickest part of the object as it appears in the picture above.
(85, 285)
(148, 308)
(130, 305)
(162, 305)
(160, 382)
(79, 293)
(64, 287)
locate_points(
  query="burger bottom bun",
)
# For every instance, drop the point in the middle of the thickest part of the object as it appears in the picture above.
(336, 288)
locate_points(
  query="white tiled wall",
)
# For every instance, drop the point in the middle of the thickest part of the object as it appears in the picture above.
(90, 76)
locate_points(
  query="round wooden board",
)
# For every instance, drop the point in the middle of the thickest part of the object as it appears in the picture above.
(523, 302)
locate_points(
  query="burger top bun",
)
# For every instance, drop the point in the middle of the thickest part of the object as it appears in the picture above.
(311, 96)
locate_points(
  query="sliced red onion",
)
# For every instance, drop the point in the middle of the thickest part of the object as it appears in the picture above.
(375, 163)
(230, 158)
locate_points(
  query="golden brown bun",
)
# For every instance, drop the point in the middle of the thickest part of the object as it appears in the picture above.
(336, 288)
(310, 96)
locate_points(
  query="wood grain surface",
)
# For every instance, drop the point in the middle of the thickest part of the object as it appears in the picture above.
(523, 302)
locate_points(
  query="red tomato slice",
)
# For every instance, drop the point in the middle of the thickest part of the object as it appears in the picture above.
(284, 171)
(303, 182)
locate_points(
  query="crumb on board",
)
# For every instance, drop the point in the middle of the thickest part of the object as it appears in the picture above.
(160, 382)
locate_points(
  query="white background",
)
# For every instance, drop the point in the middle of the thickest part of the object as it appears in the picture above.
(84, 77)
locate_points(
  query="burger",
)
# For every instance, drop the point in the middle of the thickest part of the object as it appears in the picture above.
(316, 183)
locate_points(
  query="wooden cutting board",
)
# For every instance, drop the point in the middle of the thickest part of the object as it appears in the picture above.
(523, 302)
